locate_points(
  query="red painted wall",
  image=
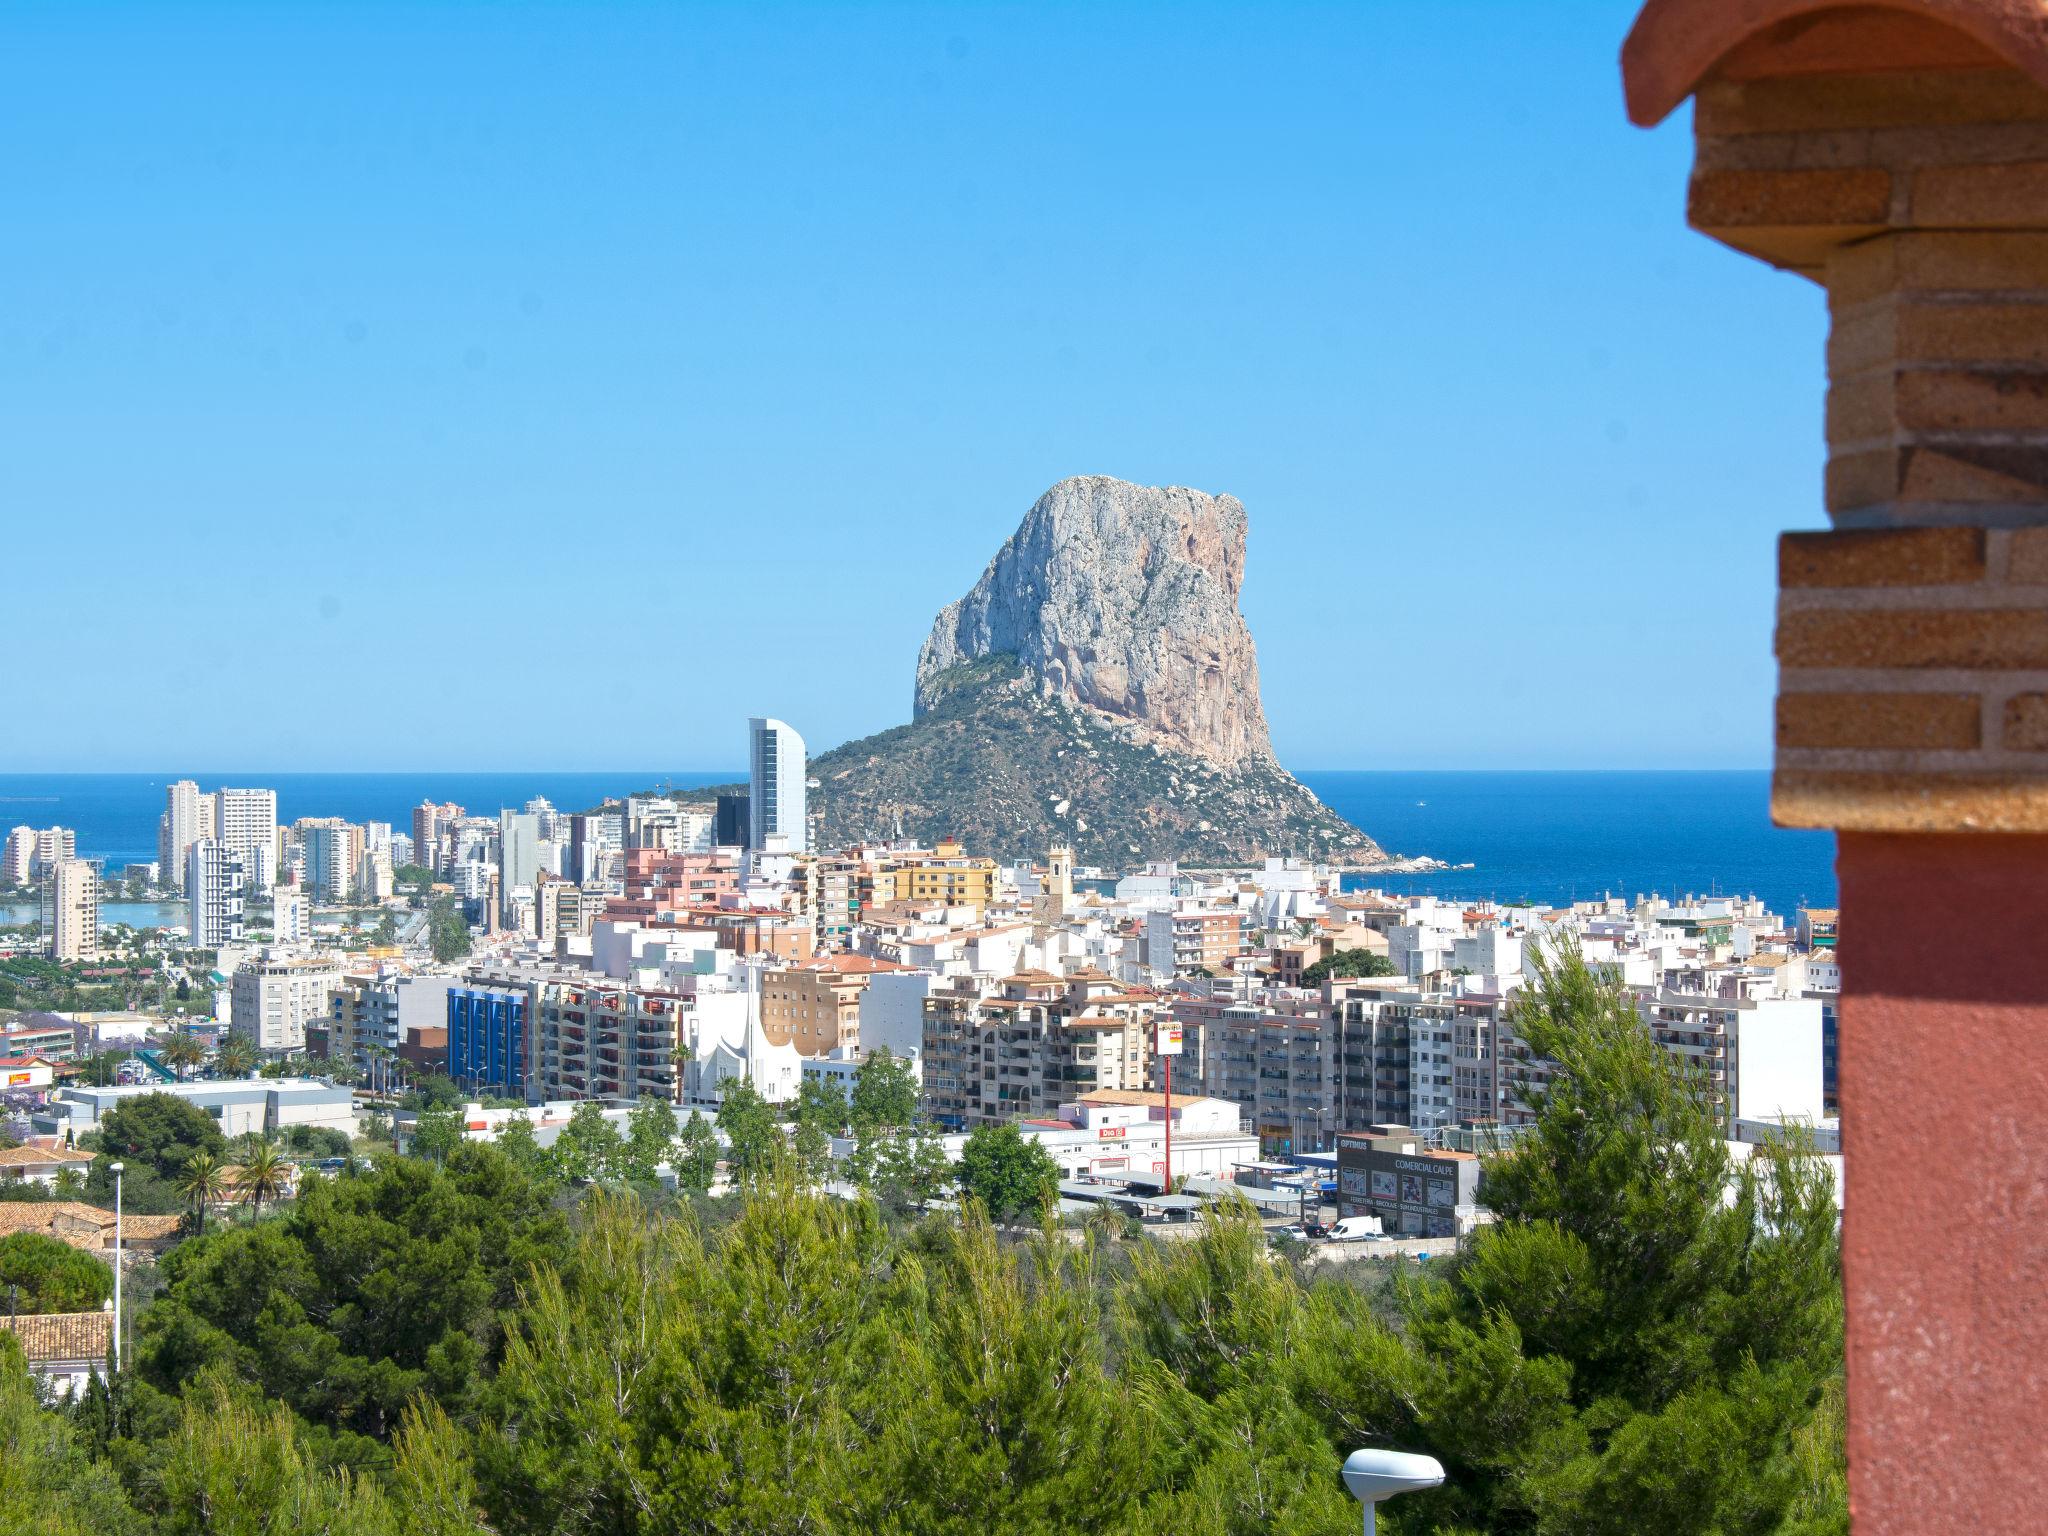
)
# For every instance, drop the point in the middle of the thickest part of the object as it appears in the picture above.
(1944, 1075)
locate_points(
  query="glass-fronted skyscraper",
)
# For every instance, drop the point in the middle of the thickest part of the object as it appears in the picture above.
(775, 787)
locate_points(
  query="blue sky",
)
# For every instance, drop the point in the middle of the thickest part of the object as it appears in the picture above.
(523, 386)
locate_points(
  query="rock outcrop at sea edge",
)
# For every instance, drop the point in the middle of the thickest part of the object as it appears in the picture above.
(1097, 687)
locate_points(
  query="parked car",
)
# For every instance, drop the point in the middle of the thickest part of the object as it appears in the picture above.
(1353, 1229)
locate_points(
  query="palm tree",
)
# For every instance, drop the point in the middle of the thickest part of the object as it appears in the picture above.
(265, 1175)
(235, 1057)
(182, 1053)
(205, 1182)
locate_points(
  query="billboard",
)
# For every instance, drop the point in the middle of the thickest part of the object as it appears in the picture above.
(1168, 1041)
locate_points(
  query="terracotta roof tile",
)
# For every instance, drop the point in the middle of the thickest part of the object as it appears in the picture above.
(1676, 44)
(41, 1157)
(52, 1336)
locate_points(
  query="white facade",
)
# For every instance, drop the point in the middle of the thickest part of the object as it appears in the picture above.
(518, 856)
(332, 848)
(214, 881)
(31, 853)
(71, 910)
(275, 999)
(237, 1106)
(1123, 1136)
(1761, 1056)
(187, 817)
(245, 823)
(777, 766)
(19, 858)
(291, 915)
(892, 1013)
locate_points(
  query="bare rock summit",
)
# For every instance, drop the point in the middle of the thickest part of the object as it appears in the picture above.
(1120, 599)
(1097, 688)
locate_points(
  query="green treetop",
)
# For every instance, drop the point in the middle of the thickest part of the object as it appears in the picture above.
(1008, 1173)
(1347, 962)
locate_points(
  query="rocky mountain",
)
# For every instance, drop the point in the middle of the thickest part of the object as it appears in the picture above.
(1097, 687)
(1121, 599)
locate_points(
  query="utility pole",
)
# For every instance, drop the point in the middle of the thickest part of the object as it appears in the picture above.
(116, 1347)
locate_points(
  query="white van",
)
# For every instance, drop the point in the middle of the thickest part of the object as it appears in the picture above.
(1354, 1229)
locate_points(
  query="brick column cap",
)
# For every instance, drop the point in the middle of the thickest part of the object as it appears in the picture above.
(1675, 44)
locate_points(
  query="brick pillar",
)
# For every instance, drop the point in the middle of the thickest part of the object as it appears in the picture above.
(1904, 166)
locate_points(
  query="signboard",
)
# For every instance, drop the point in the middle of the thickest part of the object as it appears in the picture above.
(1109, 1133)
(1168, 1042)
(16, 1079)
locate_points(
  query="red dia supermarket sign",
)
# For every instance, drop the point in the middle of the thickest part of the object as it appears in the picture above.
(1168, 1041)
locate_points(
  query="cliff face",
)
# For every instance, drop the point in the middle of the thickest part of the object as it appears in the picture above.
(1099, 688)
(1120, 599)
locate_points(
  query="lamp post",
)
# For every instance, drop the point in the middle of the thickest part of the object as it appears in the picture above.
(1373, 1476)
(116, 1350)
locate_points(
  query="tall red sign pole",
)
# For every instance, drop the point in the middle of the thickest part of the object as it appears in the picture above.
(1166, 1046)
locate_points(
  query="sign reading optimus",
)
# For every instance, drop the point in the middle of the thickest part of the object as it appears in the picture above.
(1167, 1042)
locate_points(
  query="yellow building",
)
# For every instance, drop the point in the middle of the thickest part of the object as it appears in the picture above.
(946, 875)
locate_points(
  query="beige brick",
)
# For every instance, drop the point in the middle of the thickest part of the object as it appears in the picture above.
(2029, 562)
(1961, 260)
(1863, 337)
(1862, 408)
(1965, 472)
(1910, 328)
(1859, 197)
(1819, 102)
(1881, 557)
(2026, 722)
(1910, 802)
(1885, 639)
(1897, 721)
(1870, 479)
(1971, 399)
(2011, 196)
(1935, 332)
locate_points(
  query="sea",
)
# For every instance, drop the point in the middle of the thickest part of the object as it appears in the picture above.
(1538, 836)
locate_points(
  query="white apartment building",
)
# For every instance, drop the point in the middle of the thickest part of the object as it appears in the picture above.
(291, 915)
(518, 857)
(1037, 1042)
(187, 817)
(71, 910)
(1761, 1055)
(333, 852)
(776, 790)
(17, 862)
(31, 851)
(1193, 939)
(275, 997)
(245, 823)
(215, 878)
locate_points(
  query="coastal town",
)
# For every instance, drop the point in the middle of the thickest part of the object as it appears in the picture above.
(1171, 1038)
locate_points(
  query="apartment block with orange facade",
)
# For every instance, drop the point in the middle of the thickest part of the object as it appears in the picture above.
(1196, 940)
(1035, 1042)
(816, 1006)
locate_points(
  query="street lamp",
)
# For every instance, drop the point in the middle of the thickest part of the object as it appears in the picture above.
(1375, 1475)
(116, 1354)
